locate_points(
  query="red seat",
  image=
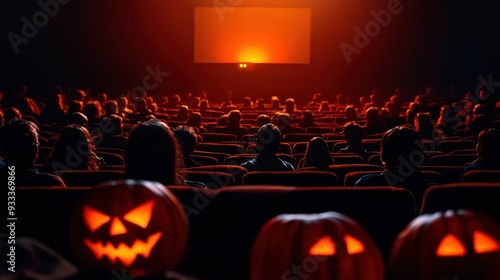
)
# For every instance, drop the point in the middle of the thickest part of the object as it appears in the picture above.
(217, 137)
(211, 179)
(482, 176)
(450, 174)
(291, 178)
(476, 196)
(76, 178)
(343, 169)
(452, 160)
(352, 177)
(236, 171)
(231, 149)
(447, 146)
(241, 158)
(204, 160)
(219, 156)
(298, 137)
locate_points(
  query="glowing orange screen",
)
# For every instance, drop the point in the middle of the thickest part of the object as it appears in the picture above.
(258, 35)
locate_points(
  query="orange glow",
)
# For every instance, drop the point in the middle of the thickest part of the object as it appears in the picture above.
(117, 227)
(93, 218)
(323, 247)
(485, 243)
(123, 252)
(252, 54)
(354, 246)
(141, 215)
(252, 34)
(450, 246)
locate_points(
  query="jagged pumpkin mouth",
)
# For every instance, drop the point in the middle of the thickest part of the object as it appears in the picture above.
(124, 253)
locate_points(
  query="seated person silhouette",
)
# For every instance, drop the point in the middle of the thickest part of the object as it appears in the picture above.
(186, 137)
(112, 135)
(353, 135)
(153, 154)
(73, 150)
(401, 153)
(488, 152)
(233, 125)
(318, 154)
(19, 148)
(268, 140)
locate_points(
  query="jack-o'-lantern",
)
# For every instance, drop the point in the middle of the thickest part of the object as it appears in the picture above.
(324, 246)
(456, 244)
(139, 226)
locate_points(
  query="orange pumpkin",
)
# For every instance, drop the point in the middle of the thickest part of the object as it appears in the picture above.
(136, 225)
(457, 244)
(325, 246)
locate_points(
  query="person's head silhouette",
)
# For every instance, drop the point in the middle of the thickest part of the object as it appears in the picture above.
(153, 154)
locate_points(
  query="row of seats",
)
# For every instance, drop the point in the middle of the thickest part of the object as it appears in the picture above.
(225, 222)
(217, 176)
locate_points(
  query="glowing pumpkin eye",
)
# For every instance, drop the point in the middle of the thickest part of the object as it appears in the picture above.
(323, 247)
(141, 214)
(485, 243)
(353, 245)
(93, 218)
(450, 246)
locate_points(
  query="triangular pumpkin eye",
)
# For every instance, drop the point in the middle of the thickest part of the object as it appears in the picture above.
(485, 243)
(141, 214)
(93, 218)
(323, 247)
(450, 246)
(353, 245)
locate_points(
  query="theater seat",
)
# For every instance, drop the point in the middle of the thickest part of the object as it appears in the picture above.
(241, 158)
(236, 171)
(447, 146)
(204, 160)
(217, 137)
(476, 196)
(352, 177)
(452, 160)
(239, 213)
(111, 158)
(77, 178)
(343, 169)
(450, 174)
(482, 176)
(219, 156)
(211, 179)
(231, 149)
(291, 178)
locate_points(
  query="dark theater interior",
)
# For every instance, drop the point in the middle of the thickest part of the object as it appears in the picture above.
(250, 140)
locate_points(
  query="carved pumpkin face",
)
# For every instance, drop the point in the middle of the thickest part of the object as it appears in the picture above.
(448, 245)
(315, 247)
(136, 225)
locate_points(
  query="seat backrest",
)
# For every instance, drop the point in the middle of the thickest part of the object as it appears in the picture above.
(291, 178)
(77, 178)
(452, 160)
(319, 130)
(240, 213)
(211, 179)
(447, 146)
(352, 177)
(217, 137)
(231, 149)
(298, 137)
(236, 171)
(450, 174)
(482, 176)
(219, 156)
(204, 160)
(369, 146)
(111, 158)
(342, 169)
(481, 197)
